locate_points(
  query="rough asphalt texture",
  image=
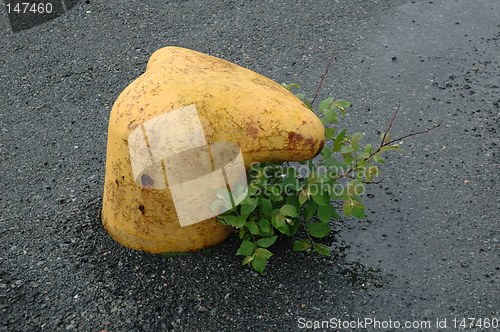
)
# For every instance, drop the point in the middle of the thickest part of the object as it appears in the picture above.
(430, 245)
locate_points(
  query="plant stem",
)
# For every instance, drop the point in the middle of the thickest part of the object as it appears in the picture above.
(309, 237)
(390, 124)
(322, 78)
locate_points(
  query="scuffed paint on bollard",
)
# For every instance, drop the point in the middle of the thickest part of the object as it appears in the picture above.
(190, 125)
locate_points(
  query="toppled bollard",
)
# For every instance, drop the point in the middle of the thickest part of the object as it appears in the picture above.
(190, 125)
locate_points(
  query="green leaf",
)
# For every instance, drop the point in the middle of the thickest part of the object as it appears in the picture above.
(240, 191)
(235, 221)
(368, 177)
(321, 197)
(347, 206)
(394, 147)
(303, 197)
(308, 103)
(253, 189)
(358, 209)
(358, 213)
(291, 183)
(321, 249)
(368, 148)
(378, 158)
(317, 178)
(326, 151)
(335, 214)
(247, 260)
(246, 209)
(325, 212)
(264, 225)
(301, 245)
(318, 229)
(386, 137)
(259, 264)
(325, 104)
(291, 172)
(263, 253)
(347, 149)
(238, 221)
(360, 171)
(257, 179)
(359, 189)
(289, 210)
(266, 241)
(332, 162)
(266, 234)
(330, 133)
(355, 187)
(331, 115)
(357, 137)
(252, 227)
(374, 170)
(290, 86)
(341, 104)
(324, 120)
(301, 96)
(224, 194)
(217, 206)
(247, 248)
(292, 229)
(267, 206)
(275, 191)
(338, 191)
(348, 159)
(275, 212)
(310, 210)
(279, 221)
(248, 200)
(337, 144)
(363, 155)
(293, 200)
(244, 235)
(226, 219)
(274, 197)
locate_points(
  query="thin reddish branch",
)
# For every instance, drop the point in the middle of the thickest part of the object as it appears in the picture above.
(390, 124)
(382, 144)
(413, 134)
(322, 78)
(400, 138)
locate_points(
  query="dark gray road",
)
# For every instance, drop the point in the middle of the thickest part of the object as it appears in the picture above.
(430, 246)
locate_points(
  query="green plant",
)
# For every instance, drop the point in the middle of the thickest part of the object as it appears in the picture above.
(281, 199)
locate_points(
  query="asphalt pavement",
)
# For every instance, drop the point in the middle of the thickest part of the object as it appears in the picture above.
(427, 256)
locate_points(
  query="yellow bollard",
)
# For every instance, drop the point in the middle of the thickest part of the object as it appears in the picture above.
(192, 124)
